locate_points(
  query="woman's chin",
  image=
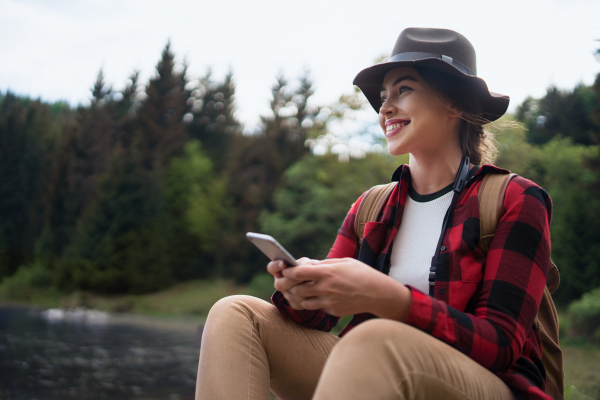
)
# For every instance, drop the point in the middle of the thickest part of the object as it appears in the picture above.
(396, 150)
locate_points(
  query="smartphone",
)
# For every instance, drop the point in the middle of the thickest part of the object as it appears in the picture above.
(271, 248)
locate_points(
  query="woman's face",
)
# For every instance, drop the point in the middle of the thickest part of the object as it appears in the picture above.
(414, 119)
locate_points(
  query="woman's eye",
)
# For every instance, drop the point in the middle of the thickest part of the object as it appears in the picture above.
(383, 99)
(403, 89)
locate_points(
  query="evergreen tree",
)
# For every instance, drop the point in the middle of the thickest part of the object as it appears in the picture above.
(100, 91)
(119, 246)
(560, 113)
(160, 130)
(212, 119)
(256, 166)
(23, 131)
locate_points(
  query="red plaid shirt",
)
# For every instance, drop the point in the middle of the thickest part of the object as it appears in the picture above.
(483, 307)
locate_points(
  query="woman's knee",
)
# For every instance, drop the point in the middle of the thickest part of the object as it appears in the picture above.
(232, 307)
(376, 331)
(382, 336)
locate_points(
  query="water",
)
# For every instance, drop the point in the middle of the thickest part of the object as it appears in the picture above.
(93, 355)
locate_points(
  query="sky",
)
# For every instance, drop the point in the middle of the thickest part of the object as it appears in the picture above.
(53, 49)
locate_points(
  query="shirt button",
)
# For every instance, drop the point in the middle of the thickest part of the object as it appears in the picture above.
(442, 291)
(443, 248)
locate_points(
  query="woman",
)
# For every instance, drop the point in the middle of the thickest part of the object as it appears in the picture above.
(468, 334)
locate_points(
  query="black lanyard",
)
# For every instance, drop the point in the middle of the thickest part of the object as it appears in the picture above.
(437, 260)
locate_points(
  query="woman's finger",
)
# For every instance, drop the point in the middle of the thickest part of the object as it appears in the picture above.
(284, 284)
(293, 300)
(307, 272)
(311, 303)
(275, 267)
(305, 289)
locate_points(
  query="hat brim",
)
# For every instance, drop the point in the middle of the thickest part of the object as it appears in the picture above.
(369, 80)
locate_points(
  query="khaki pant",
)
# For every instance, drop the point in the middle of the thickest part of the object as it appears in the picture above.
(248, 347)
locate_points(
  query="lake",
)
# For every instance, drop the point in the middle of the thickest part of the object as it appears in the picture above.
(84, 354)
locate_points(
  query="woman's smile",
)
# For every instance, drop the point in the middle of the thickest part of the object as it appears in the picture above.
(394, 126)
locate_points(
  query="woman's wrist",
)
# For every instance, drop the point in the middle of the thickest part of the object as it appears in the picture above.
(393, 300)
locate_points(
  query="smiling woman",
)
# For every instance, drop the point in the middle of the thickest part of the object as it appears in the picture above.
(437, 312)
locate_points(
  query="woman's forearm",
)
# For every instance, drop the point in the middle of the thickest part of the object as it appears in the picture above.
(391, 300)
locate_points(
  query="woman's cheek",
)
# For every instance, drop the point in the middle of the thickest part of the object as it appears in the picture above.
(382, 122)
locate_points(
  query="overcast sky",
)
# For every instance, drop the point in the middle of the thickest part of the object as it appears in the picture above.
(53, 49)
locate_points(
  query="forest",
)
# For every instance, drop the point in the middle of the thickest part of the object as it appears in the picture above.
(158, 183)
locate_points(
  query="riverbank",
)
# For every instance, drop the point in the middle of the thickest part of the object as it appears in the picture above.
(193, 298)
(188, 303)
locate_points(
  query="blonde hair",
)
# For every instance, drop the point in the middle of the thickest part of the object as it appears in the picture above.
(476, 142)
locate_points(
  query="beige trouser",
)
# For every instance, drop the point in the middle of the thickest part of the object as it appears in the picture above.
(247, 347)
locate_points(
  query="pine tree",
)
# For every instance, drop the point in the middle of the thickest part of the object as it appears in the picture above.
(212, 117)
(119, 246)
(563, 113)
(257, 164)
(100, 91)
(160, 129)
(23, 133)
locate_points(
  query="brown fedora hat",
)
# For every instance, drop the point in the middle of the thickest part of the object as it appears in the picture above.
(441, 49)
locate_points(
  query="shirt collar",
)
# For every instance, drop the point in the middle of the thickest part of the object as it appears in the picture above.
(486, 168)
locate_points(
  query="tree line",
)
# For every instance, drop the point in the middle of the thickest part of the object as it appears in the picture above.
(151, 185)
(142, 187)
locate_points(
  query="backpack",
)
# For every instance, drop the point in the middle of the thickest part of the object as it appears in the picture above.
(491, 199)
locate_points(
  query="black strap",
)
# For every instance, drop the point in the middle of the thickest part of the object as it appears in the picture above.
(459, 183)
(416, 55)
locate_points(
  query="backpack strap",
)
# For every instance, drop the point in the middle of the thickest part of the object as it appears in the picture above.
(491, 199)
(371, 207)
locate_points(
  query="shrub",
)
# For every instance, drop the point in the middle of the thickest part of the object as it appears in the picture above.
(261, 286)
(585, 315)
(24, 283)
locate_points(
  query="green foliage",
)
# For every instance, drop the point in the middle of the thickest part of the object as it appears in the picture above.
(256, 166)
(585, 315)
(119, 245)
(26, 281)
(23, 133)
(561, 113)
(559, 166)
(159, 130)
(316, 195)
(261, 286)
(211, 108)
(193, 190)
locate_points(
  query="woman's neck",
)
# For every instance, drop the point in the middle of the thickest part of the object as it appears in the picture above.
(430, 173)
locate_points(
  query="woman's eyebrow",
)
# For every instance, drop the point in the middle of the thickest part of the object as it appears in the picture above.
(402, 78)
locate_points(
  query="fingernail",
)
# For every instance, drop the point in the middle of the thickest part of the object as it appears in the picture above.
(315, 261)
(281, 264)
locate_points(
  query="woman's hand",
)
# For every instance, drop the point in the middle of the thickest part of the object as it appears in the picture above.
(283, 284)
(343, 286)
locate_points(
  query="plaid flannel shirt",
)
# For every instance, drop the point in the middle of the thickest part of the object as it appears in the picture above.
(483, 307)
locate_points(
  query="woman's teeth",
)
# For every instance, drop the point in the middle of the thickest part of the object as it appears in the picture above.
(390, 128)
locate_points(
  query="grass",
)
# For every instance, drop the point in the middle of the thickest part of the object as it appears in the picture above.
(582, 372)
(193, 298)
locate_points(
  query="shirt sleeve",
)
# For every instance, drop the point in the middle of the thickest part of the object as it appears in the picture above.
(513, 283)
(345, 245)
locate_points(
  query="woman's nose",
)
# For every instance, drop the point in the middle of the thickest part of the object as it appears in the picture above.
(387, 107)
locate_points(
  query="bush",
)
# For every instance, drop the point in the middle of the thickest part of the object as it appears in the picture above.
(585, 315)
(261, 286)
(24, 283)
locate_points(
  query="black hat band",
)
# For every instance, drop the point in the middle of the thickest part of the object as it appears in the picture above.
(415, 55)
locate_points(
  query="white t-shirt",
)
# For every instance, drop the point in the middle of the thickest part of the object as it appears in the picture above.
(417, 239)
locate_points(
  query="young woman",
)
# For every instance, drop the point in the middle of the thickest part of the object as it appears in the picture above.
(463, 331)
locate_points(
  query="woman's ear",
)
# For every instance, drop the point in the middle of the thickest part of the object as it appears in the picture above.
(454, 112)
